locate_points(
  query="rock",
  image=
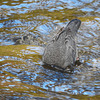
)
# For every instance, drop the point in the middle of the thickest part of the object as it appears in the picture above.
(61, 49)
(98, 41)
(28, 39)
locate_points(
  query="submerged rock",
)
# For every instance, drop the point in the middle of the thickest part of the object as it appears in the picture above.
(98, 41)
(61, 49)
(28, 39)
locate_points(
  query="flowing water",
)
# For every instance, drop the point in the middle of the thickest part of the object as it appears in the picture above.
(22, 75)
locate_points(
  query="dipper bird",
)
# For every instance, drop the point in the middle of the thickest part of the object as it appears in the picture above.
(61, 49)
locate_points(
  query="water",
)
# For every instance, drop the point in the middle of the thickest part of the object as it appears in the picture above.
(22, 75)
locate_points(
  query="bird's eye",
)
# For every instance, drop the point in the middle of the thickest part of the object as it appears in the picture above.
(69, 29)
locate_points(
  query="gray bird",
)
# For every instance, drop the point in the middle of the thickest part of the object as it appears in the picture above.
(61, 49)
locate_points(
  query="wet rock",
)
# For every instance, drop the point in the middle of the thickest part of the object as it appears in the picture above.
(16, 38)
(98, 41)
(27, 39)
(61, 49)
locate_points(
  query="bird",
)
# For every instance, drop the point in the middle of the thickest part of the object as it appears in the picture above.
(61, 50)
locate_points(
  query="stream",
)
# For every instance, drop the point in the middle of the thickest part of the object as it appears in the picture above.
(22, 73)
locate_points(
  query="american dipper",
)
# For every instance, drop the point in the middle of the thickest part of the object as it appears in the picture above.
(61, 49)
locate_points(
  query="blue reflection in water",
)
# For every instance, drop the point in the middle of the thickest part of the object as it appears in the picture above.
(87, 9)
(1, 25)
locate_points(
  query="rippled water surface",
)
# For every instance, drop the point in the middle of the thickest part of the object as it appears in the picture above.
(22, 75)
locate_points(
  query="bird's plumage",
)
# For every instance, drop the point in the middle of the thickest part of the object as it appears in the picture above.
(61, 50)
